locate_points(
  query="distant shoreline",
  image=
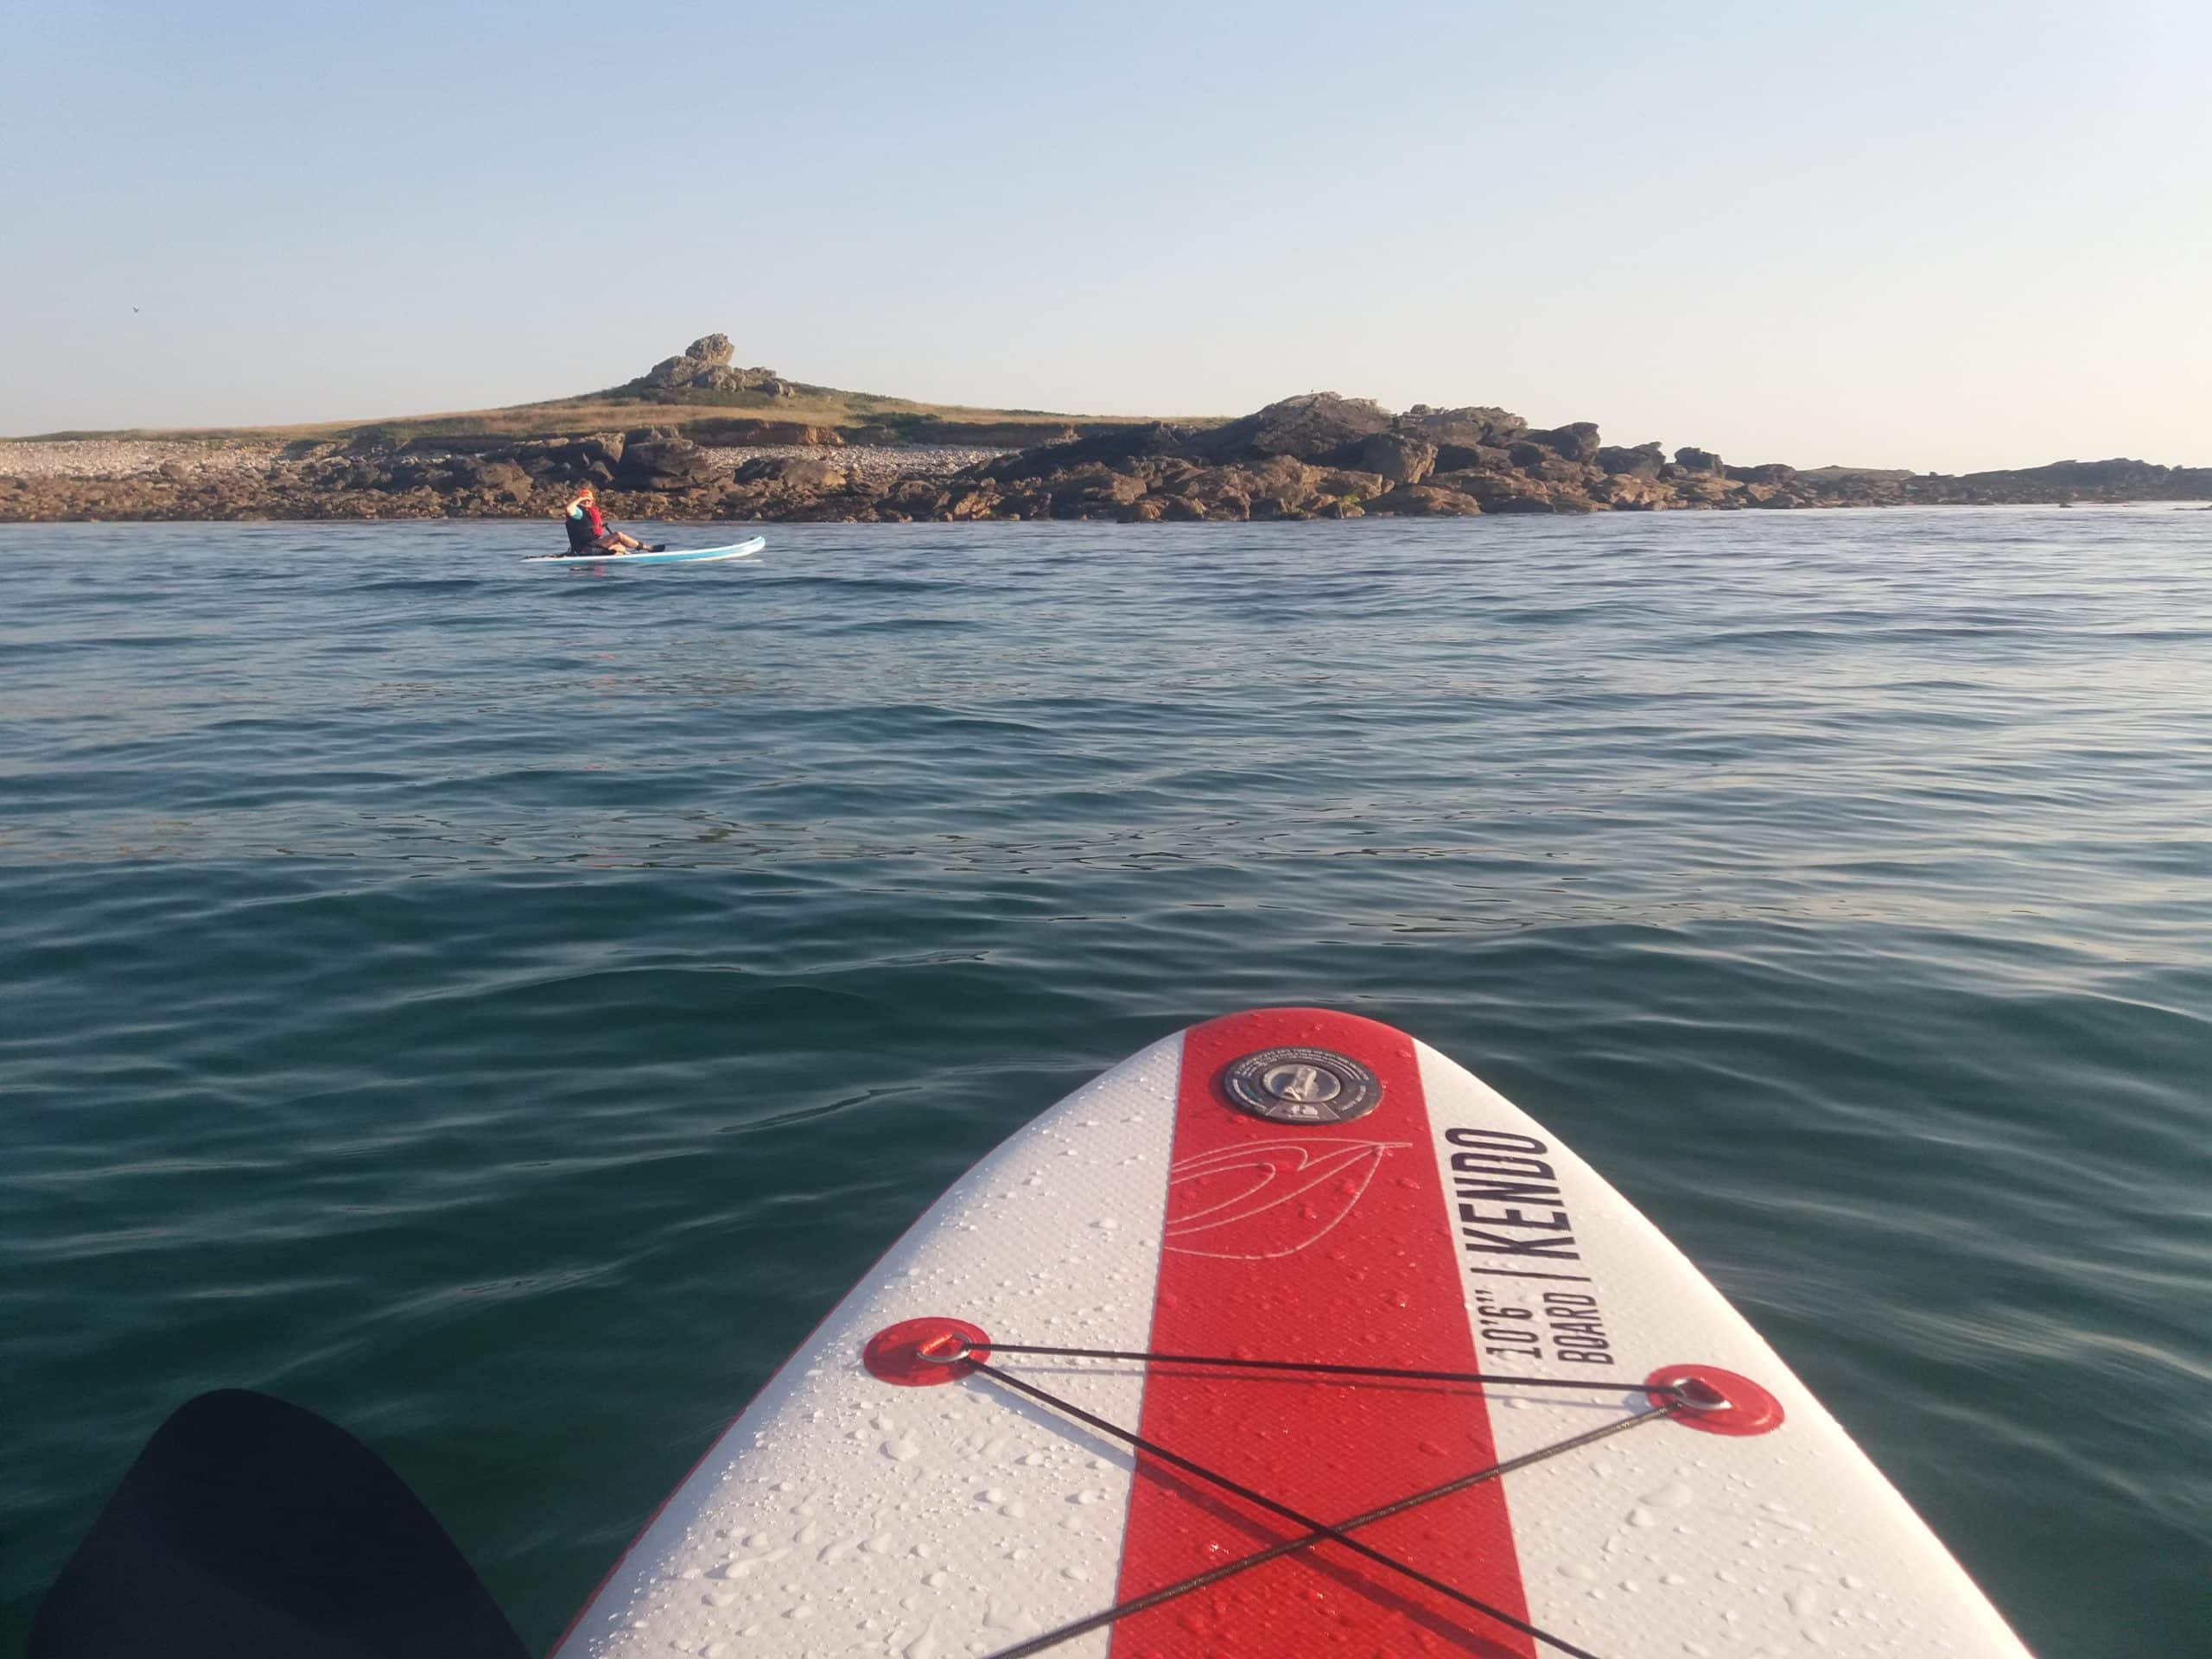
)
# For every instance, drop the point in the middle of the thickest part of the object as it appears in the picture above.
(746, 444)
(219, 481)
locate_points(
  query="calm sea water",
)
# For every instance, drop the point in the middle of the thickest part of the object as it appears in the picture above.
(504, 1010)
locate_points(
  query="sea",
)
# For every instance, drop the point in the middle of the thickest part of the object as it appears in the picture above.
(502, 1007)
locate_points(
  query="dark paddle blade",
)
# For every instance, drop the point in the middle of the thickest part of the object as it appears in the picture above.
(250, 1527)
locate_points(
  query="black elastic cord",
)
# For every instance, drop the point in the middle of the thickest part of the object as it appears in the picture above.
(1317, 1368)
(1320, 1529)
(1212, 1576)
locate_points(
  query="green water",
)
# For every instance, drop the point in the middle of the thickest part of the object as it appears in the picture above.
(503, 1010)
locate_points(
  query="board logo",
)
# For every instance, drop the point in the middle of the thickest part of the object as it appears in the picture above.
(1260, 1199)
(1302, 1085)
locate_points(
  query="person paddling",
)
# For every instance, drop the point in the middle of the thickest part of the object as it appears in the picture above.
(588, 530)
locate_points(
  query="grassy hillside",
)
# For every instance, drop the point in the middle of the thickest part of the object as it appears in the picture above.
(858, 416)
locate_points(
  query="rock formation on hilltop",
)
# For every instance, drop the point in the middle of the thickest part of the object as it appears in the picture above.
(704, 365)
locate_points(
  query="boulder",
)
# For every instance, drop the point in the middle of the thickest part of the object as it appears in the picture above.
(1339, 484)
(1425, 501)
(1498, 491)
(1090, 489)
(1631, 492)
(1116, 446)
(1576, 441)
(1465, 457)
(671, 371)
(711, 351)
(662, 464)
(1398, 457)
(1772, 472)
(1643, 461)
(1697, 461)
(794, 472)
(1477, 426)
(1305, 427)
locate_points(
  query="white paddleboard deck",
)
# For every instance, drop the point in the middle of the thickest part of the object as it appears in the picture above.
(1372, 1205)
(666, 555)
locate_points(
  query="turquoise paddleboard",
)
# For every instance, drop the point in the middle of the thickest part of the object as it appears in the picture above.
(667, 556)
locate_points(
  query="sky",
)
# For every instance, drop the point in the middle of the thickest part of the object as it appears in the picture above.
(1940, 235)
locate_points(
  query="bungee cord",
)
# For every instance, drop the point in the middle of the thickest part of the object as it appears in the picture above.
(953, 1349)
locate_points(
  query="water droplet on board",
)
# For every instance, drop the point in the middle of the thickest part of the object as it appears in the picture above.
(1009, 1616)
(1576, 1570)
(1674, 1495)
(804, 1609)
(924, 1646)
(901, 1450)
(1803, 1600)
(1640, 1517)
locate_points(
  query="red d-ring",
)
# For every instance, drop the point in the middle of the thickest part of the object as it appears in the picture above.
(917, 1353)
(1713, 1401)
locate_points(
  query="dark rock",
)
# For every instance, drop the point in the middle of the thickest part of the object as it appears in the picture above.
(1462, 457)
(1305, 427)
(794, 472)
(1643, 461)
(1498, 491)
(1528, 456)
(1425, 501)
(662, 464)
(1116, 446)
(1339, 484)
(1396, 456)
(1474, 427)
(1697, 461)
(1772, 472)
(1576, 441)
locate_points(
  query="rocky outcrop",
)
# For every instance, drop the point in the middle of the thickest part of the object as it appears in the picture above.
(1314, 456)
(704, 365)
(1319, 424)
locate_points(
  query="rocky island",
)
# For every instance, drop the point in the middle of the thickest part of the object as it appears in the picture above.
(695, 438)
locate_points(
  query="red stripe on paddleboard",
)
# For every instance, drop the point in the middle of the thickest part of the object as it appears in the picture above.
(1325, 1242)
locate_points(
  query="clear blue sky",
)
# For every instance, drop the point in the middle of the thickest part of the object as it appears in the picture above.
(1943, 234)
